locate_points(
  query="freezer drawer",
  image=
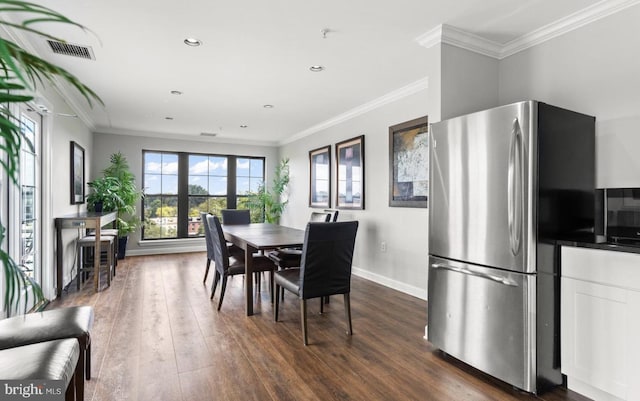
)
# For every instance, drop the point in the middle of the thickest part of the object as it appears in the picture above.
(484, 317)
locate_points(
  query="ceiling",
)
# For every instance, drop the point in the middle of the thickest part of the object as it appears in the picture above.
(257, 52)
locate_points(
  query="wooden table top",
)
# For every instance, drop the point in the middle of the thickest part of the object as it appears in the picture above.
(263, 235)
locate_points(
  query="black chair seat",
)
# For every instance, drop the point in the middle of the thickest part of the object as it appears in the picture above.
(289, 279)
(49, 360)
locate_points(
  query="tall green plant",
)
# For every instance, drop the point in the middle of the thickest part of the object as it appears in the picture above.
(128, 194)
(270, 200)
(20, 72)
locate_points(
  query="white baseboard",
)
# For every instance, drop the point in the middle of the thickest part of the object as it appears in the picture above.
(417, 292)
(376, 278)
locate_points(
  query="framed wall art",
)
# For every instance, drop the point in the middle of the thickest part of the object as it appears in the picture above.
(409, 163)
(77, 174)
(320, 177)
(350, 173)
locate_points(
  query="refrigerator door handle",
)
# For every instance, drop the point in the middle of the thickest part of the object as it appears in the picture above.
(462, 270)
(515, 188)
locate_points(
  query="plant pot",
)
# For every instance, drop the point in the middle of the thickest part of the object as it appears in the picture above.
(122, 246)
(97, 207)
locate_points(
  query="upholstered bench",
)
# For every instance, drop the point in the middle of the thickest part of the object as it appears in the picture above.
(71, 322)
(49, 360)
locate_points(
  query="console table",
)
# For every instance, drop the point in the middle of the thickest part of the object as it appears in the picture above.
(82, 220)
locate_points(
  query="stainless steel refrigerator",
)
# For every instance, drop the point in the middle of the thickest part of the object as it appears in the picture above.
(505, 183)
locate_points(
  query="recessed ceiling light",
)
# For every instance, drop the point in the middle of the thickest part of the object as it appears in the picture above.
(168, 118)
(316, 68)
(192, 42)
(268, 106)
(176, 93)
(244, 126)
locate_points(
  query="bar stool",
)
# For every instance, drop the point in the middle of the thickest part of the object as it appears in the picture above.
(114, 233)
(108, 245)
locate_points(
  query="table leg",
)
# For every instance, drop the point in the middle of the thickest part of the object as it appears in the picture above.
(248, 278)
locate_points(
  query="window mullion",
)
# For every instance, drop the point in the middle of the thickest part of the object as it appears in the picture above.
(183, 195)
(232, 201)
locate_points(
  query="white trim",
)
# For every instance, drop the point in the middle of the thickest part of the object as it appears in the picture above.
(567, 24)
(457, 37)
(466, 40)
(407, 90)
(417, 292)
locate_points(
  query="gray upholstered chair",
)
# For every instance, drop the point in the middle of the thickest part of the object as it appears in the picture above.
(325, 269)
(229, 265)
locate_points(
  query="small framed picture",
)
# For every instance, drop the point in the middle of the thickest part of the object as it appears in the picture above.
(350, 173)
(77, 174)
(320, 177)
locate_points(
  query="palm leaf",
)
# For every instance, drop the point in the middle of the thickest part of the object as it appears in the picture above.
(20, 72)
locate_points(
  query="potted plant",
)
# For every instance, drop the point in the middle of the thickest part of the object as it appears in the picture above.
(19, 73)
(270, 201)
(104, 195)
(127, 195)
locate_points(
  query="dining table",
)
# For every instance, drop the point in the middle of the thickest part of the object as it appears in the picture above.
(256, 237)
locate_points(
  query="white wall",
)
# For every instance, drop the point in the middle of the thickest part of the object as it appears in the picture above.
(469, 82)
(132, 146)
(594, 70)
(56, 184)
(404, 264)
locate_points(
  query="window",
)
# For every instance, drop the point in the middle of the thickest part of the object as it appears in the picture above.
(179, 186)
(29, 196)
(207, 188)
(249, 179)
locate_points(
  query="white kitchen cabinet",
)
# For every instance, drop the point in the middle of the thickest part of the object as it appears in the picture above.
(600, 323)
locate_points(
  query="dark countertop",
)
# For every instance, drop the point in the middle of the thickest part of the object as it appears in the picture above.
(599, 242)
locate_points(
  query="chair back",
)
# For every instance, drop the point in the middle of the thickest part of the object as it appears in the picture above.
(207, 235)
(334, 214)
(327, 254)
(220, 251)
(236, 216)
(319, 217)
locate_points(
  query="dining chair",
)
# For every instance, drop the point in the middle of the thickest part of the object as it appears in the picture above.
(285, 258)
(327, 254)
(334, 214)
(229, 265)
(235, 216)
(209, 242)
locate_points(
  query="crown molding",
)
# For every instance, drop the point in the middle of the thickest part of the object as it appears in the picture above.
(457, 37)
(466, 40)
(407, 90)
(586, 16)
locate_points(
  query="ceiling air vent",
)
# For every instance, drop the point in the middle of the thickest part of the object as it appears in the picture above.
(208, 134)
(69, 49)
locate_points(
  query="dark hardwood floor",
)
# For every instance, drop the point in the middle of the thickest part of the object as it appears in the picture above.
(157, 336)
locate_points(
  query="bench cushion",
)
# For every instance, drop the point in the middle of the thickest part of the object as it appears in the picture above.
(50, 360)
(55, 324)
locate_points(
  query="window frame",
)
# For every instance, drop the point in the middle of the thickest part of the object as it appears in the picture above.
(183, 195)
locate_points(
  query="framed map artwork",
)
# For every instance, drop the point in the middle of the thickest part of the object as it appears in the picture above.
(409, 163)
